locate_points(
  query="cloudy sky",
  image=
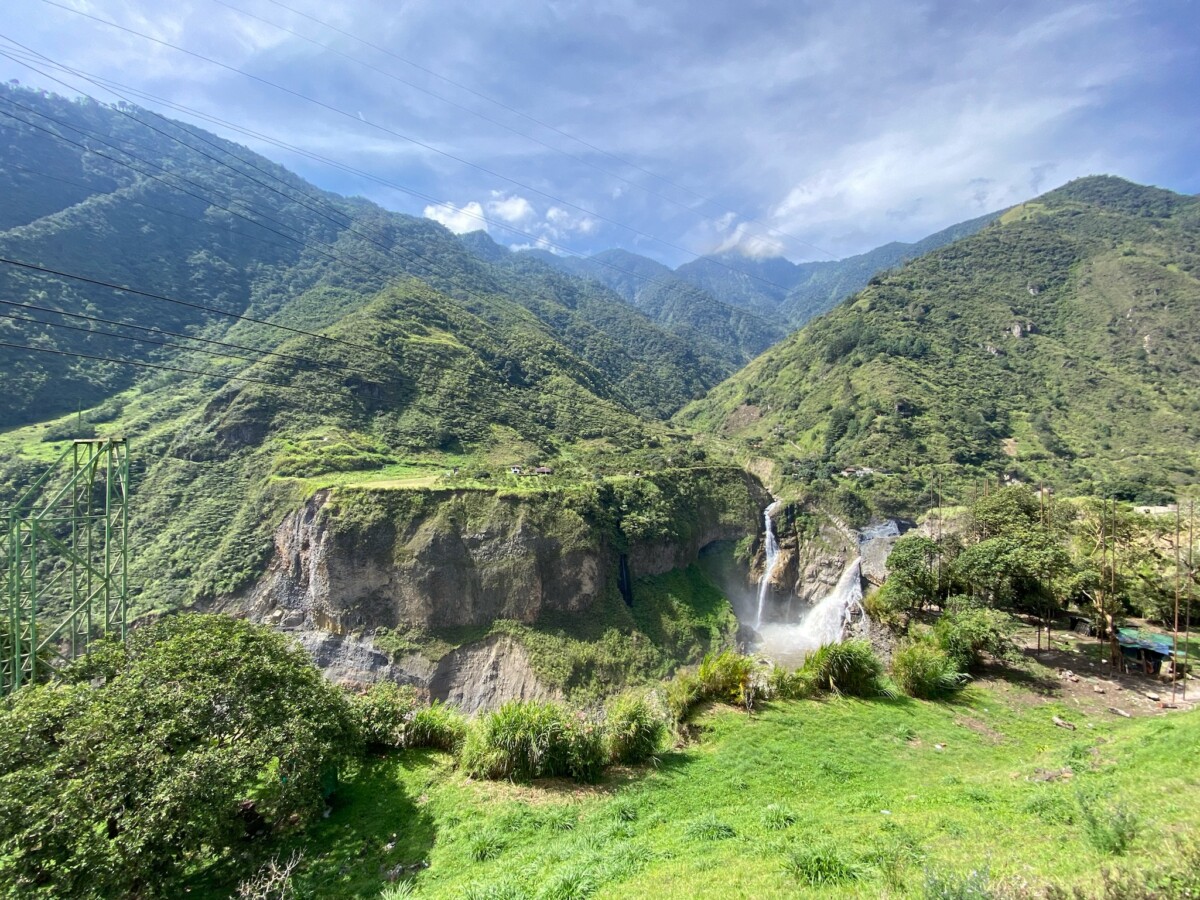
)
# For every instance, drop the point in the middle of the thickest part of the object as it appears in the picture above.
(669, 128)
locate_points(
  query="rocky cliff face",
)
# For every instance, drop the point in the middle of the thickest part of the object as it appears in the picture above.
(814, 550)
(350, 562)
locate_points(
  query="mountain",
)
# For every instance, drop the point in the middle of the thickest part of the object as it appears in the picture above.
(120, 195)
(284, 341)
(740, 305)
(1057, 344)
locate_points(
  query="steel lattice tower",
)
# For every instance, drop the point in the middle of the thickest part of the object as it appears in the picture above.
(64, 561)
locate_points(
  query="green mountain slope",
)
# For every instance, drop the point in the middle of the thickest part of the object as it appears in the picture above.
(732, 306)
(1057, 344)
(124, 196)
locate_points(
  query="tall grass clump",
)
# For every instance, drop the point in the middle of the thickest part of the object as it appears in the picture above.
(974, 885)
(683, 692)
(823, 865)
(1110, 829)
(849, 668)
(726, 676)
(789, 684)
(437, 726)
(634, 729)
(526, 739)
(926, 671)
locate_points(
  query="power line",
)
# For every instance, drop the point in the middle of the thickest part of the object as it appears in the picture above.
(516, 112)
(132, 337)
(163, 331)
(648, 280)
(212, 309)
(571, 156)
(385, 129)
(146, 365)
(305, 243)
(104, 83)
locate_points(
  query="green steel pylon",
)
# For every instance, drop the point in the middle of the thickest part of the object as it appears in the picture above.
(64, 561)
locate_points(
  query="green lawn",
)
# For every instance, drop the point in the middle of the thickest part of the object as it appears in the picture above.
(890, 790)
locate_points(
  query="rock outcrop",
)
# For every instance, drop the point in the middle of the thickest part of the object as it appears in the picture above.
(350, 562)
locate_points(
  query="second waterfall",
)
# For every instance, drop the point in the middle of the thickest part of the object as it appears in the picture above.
(772, 555)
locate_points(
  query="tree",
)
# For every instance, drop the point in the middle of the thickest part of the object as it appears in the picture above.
(207, 727)
(912, 577)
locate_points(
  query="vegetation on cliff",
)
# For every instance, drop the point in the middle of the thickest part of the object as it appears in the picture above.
(1052, 346)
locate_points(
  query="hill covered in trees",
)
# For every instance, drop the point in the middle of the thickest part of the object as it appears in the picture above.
(121, 195)
(1058, 344)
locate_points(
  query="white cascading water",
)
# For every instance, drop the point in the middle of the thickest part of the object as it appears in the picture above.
(824, 623)
(772, 555)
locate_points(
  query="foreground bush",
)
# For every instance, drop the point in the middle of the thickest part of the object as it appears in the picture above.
(207, 727)
(966, 632)
(634, 729)
(727, 676)
(526, 739)
(849, 668)
(924, 670)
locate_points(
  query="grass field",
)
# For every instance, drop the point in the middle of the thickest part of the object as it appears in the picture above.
(838, 797)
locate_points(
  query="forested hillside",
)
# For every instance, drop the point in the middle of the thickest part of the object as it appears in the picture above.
(1057, 344)
(124, 196)
(740, 305)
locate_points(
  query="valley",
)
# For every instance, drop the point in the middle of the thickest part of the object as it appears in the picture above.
(460, 569)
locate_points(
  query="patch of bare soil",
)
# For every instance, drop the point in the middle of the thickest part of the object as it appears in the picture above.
(1068, 672)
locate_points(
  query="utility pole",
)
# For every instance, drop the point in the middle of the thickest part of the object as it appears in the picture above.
(64, 561)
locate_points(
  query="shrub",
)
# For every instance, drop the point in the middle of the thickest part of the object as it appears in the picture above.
(583, 755)
(822, 865)
(850, 668)
(138, 781)
(726, 676)
(924, 670)
(887, 605)
(384, 712)
(965, 632)
(634, 729)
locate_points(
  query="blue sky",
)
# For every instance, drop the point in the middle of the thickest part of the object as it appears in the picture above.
(804, 129)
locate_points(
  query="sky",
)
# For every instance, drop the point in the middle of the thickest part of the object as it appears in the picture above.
(671, 129)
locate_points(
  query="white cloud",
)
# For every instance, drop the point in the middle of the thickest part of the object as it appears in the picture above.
(513, 208)
(459, 219)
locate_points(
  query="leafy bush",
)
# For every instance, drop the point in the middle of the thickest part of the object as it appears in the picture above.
(926, 671)
(123, 787)
(823, 865)
(384, 712)
(966, 632)
(726, 676)
(634, 729)
(392, 717)
(886, 605)
(850, 667)
(527, 739)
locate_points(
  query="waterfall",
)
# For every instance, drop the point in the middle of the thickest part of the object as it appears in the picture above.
(772, 553)
(824, 623)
